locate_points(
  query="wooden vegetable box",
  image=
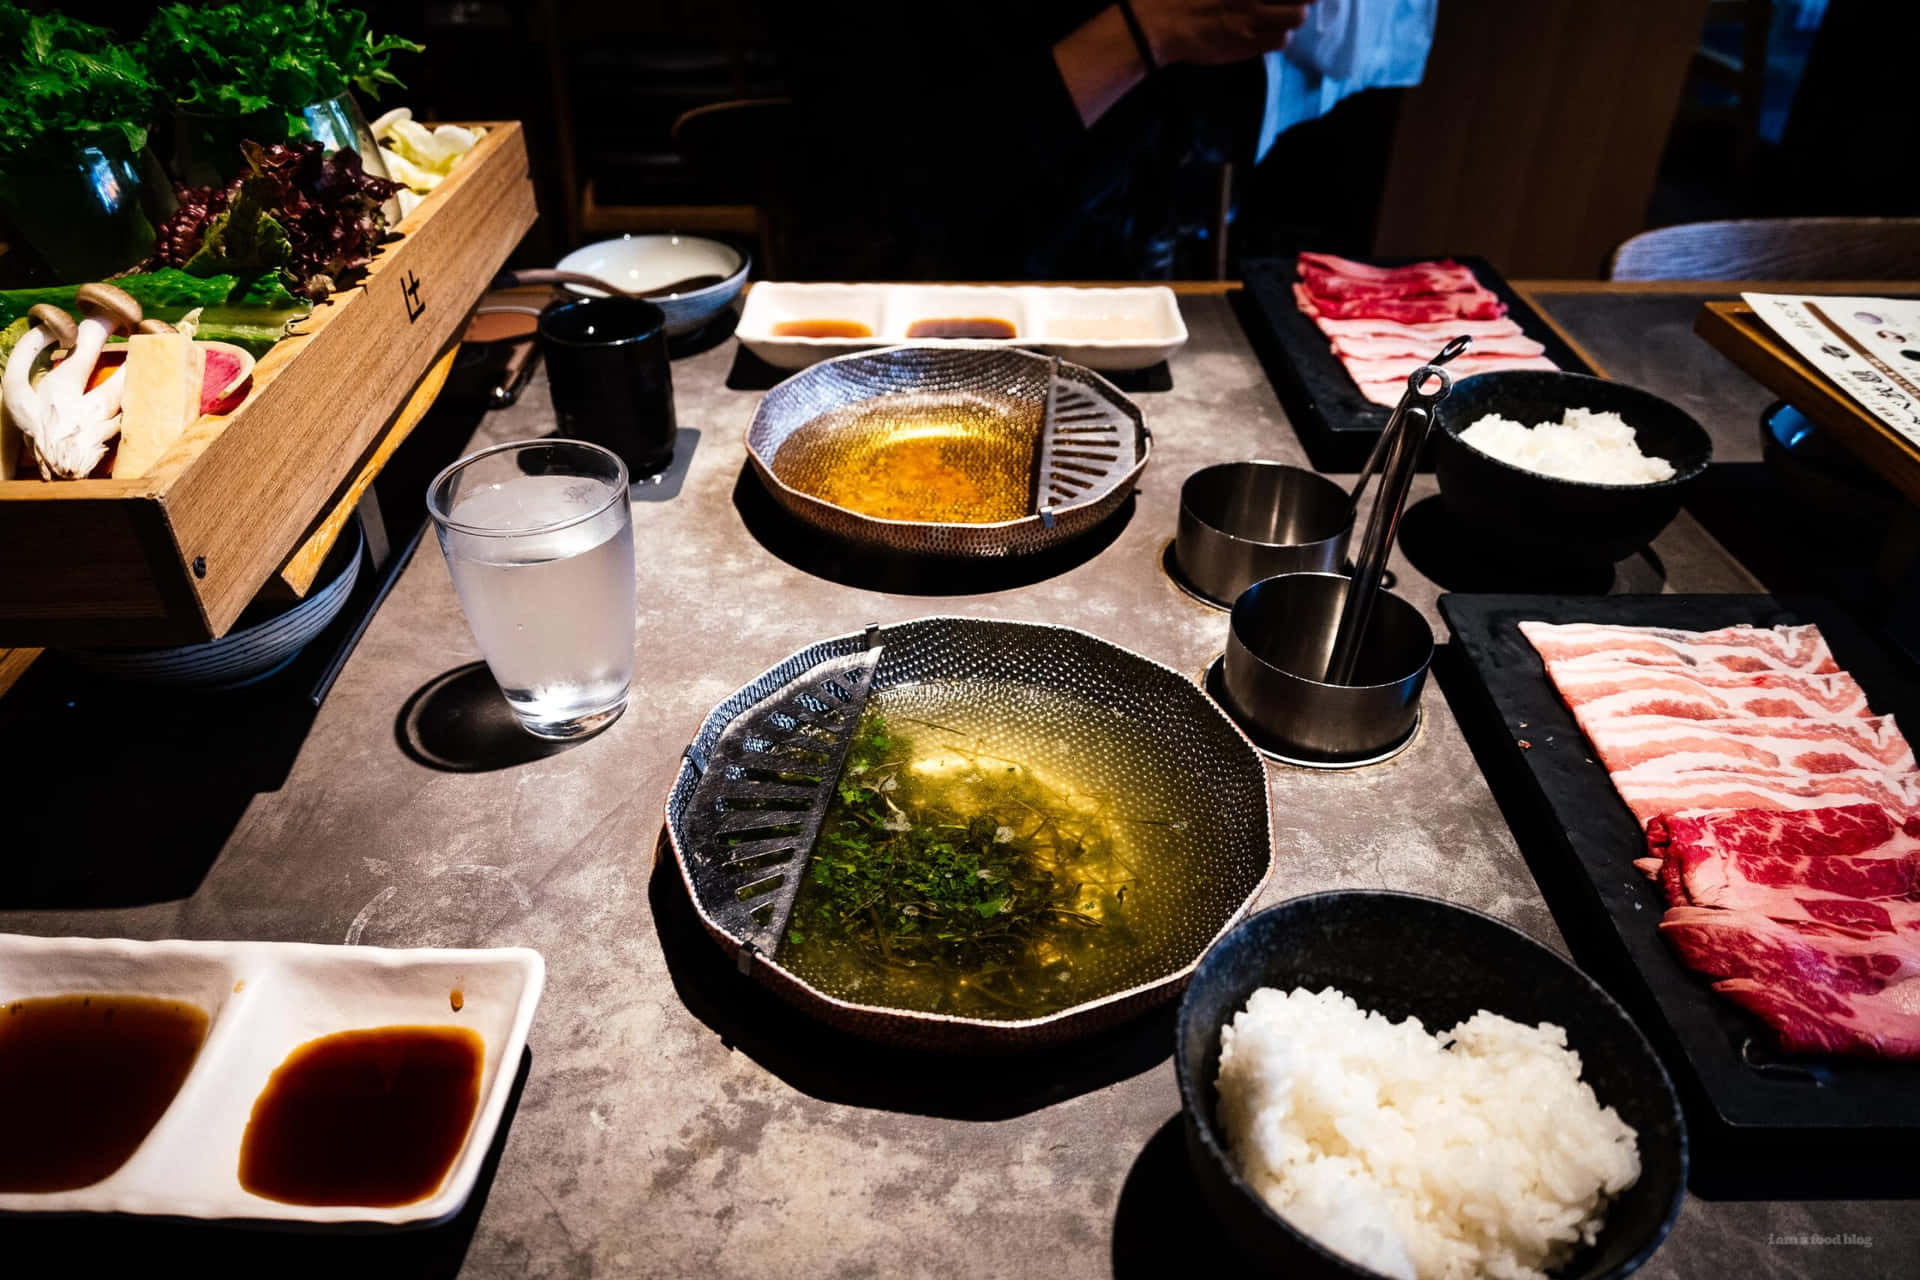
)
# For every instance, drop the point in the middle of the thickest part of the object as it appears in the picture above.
(175, 555)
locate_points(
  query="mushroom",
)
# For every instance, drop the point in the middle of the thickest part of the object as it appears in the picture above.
(53, 329)
(59, 325)
(76, 423)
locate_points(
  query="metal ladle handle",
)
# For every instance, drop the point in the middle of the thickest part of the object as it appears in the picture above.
(1454, 347)
(548, 275)
(1402, 441)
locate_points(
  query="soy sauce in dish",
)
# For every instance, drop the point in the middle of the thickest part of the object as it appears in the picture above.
(87, 1076)
(372, 1117)
(962, 327)
(821, 329)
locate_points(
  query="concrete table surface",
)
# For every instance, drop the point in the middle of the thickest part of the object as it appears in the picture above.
(677, 1121)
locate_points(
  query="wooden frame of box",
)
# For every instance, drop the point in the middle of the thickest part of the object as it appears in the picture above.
(175, 555)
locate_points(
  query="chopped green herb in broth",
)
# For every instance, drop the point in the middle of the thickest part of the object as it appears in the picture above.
(952, 880)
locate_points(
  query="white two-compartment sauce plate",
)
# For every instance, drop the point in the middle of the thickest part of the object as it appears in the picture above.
(263, 1000)
(1111, 329)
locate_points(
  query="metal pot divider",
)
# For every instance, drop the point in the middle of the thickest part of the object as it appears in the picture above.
(763, 792)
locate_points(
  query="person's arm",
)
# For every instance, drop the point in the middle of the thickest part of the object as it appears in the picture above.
(1099, 62)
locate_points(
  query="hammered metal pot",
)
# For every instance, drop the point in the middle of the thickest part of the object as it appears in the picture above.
(1087, 442)
(1154, 731)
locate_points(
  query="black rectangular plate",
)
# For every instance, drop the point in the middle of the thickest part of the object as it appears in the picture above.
(1336, 424)
(1750, 1087)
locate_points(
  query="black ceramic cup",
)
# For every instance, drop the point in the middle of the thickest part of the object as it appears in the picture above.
(607, 369)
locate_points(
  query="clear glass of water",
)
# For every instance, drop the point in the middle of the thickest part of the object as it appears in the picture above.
(539, 540)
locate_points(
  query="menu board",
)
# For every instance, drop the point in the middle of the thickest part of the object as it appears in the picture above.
(1868, 347)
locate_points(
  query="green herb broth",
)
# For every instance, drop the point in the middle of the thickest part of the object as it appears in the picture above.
(993, 850)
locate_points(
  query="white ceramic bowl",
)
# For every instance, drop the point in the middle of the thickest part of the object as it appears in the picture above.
(640, 263)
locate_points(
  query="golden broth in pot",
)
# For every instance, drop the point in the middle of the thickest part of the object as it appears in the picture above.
(954, 458)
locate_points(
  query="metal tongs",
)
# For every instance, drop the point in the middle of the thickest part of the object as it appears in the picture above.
(1395, 454)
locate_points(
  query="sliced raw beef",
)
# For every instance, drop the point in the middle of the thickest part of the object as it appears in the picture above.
(1424, 310)
(1823, 989)
(1602, 688)
(1850, 866)
(1387, 321)
(1795, 648)
(1422, 283)
(1858, 830)
(1883, 1025)
(1441, 274)
(1782, 819)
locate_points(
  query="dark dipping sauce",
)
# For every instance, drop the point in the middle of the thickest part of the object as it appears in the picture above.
(85, 1078)
(371, 1118)
(962, 327)
(821, 329)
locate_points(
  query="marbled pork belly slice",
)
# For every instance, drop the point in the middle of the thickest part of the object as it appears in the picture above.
(1658, 789)
(1770, 747)
(1603, 688)
(1385, 381)
(1396, 368)
(1822, 989)
(1437, 333)
(1422, 349)
(1851, 866)
(1788, 648)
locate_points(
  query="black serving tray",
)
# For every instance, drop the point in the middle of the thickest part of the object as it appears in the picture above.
(1336, 424)
(1765, 1123)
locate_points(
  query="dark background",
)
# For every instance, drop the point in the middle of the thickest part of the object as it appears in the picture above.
(1785, 109)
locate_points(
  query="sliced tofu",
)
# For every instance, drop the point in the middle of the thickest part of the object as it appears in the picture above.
(161, 398)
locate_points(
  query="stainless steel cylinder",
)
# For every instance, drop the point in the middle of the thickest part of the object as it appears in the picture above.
(1244, 521)
(1278, 644)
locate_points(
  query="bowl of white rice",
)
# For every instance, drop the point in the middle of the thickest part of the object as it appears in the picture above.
(1565, 464)
(1383, 1084)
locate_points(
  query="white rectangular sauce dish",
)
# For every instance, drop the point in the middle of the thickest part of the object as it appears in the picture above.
(1129, 327)
(263, 1000)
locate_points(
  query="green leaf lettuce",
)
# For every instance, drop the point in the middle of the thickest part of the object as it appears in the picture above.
(64, 85)
(251, 57)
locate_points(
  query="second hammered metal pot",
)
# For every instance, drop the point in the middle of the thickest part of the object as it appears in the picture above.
(1051, 449)
(1142, 730)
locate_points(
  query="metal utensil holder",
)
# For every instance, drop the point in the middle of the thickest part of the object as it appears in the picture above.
(1317, 665)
